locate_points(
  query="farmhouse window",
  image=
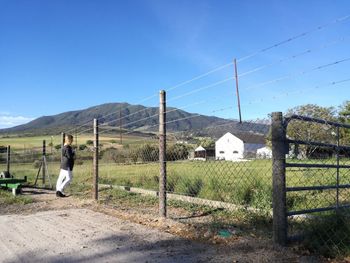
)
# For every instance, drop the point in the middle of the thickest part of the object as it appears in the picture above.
(235, 151)
(222, 152)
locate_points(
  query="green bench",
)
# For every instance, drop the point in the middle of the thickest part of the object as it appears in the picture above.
(13, 183)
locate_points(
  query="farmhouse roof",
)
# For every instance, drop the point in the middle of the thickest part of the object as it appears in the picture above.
(252, 138)
(199, 149)
(249, 137)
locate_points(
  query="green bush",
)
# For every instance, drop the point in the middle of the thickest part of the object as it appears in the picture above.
(148, 153)
(58, 146)
(177, 152)
(82, 147)
(189, 186)
(36, 164)
(89, 142)
(114, 155)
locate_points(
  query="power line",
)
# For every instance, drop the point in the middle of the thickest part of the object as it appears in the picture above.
(318, 28)
(125, 116)
(200, 76)
(335, 21)
(308, 51)
(91, 128)
(301, 91)
(201, 89)
(293, 75)
(168, 111)
(290, 39)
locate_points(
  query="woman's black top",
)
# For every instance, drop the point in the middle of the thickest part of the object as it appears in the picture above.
(68, 156)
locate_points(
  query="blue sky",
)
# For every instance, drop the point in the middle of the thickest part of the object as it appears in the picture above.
(57, 56)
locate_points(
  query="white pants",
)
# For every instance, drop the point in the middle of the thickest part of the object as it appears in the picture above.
(63, 180)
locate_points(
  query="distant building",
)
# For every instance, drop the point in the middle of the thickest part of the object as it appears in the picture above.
(202, 154)
(264, 153)
(234, 147)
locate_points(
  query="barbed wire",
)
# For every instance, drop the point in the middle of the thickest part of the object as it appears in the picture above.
(166, 112)
(293, 75)
(307, 51)
(298, 91)
(179, 119)
(249, 103)
(337, 20)
(290, 39)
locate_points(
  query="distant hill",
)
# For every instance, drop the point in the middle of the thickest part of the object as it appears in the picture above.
(134, 117)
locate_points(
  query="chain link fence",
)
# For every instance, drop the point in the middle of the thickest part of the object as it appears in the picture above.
(226, 166)
(231, 166)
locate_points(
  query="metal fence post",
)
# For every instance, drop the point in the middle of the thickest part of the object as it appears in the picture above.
(162, 154)
(8, 159)
(278, 136)
(95, 161)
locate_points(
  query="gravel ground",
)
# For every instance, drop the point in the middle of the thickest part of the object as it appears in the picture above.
(74, 230)
(82, 235)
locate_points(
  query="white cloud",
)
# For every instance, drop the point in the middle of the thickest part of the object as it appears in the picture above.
(7, 120)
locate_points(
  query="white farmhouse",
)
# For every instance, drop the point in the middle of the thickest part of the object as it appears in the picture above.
(264, 153)
(234, 147)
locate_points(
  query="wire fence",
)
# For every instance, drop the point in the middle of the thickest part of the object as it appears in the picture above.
(300, 180)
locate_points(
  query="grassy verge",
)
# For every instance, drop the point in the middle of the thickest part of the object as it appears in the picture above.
(6, 198)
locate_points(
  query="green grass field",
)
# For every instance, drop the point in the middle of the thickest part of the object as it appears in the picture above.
(244, 183)
(27, 143)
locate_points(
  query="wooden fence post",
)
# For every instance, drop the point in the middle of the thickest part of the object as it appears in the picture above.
(162, 154)
(8, 159)
(44, 161)
(278, 136)
(95, 161)
(63, 136)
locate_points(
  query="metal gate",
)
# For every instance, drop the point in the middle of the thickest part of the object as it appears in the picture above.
(311, 179)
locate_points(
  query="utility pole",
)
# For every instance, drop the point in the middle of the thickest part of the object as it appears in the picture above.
(237, 92)
(120, 125)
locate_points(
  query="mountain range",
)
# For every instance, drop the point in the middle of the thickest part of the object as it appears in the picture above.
(136, 118)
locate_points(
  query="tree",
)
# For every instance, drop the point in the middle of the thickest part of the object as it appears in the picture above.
(309, 131)
(344, 117)
(177, 151)
(344, 112)
(206, 143)
(148, 153)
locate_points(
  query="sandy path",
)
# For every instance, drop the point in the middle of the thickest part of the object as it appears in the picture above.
(73, 229)
(81, 235)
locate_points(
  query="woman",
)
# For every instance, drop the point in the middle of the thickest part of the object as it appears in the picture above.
(67, 164)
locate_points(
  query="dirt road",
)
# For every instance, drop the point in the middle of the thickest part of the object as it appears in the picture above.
(80, 235)
(53, 229)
